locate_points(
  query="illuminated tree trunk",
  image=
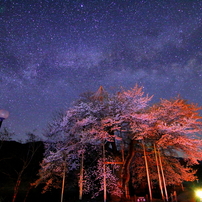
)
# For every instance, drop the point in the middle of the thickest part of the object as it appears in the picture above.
(63, 183)
(17, 185)
(126, 169)
(104, 175)
(147, 171)
(81, 179)
(159, 174)
(163, 177)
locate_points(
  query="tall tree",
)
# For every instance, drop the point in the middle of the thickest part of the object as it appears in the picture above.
(174, 127)
(121, 122)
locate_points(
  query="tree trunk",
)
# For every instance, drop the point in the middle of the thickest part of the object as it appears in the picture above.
(126, 170)
(147, 171)
(163, 176)
(159, 174)
(104, 175)
(81, 178)
(16, 188)
(63, 183)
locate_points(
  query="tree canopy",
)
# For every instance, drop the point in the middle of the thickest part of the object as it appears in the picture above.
(115, 132)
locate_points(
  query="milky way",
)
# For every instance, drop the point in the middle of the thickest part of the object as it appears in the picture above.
(52, 51)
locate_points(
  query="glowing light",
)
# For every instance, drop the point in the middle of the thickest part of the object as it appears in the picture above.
(4, 114)
(199, 193)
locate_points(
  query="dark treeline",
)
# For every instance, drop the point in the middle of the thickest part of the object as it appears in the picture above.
(19, 162)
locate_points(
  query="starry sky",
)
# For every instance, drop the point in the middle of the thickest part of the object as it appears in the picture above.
(51, 51)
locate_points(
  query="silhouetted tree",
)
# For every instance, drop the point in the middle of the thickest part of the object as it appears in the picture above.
(25, 161)
(5, 135)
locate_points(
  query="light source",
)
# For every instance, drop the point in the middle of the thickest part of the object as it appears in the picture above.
(199, 194)
(3, 115)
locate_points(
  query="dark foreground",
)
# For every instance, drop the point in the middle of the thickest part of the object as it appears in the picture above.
(55, 196)
(12, 156)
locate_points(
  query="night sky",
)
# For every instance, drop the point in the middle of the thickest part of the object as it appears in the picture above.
(51, 51)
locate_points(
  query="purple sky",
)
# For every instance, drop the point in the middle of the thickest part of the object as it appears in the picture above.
(51, 51)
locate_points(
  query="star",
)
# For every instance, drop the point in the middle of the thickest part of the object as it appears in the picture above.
(53, 51)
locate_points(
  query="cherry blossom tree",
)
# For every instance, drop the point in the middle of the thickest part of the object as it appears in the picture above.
(173, 126)
(77, 131)
(122, 124)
